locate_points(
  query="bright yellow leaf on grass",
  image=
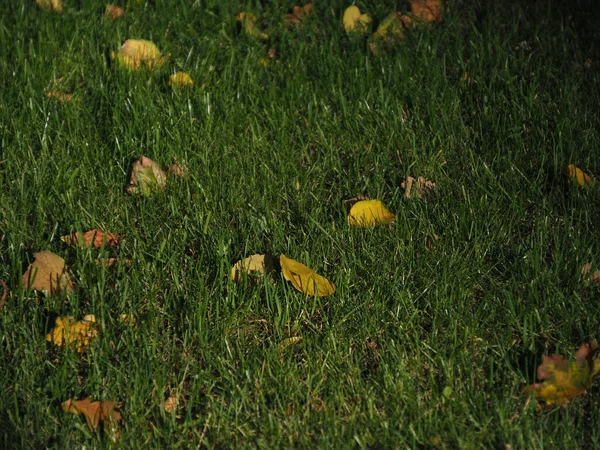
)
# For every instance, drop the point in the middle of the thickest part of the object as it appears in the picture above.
(580, 177)
(304, 279)
(368, 213)
(181, 80)
(78, 334)
(562, 379)
(136, 54)
(355, 21)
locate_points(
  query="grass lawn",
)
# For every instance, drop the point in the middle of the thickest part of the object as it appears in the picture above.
(425, 344)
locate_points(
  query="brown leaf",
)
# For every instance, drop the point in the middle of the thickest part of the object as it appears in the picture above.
(562, 380)
(358, 198)
(171, 404)
(146, 177)
(298, 13)
(47, 273)
(427, 11)
(4, 294)
(94, 412)
(110, 262)
(92, 238)
(60, 96)
(422, 186)
(178, 169)
(113, 12)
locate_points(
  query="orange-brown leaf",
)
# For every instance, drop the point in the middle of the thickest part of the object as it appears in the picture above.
(113, 12)
(4, 294)
(92, 238)
(427, 10)
(298, 13)
(146, 177)
(94, 412)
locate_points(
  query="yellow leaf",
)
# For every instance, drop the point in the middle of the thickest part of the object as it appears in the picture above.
(51, 5)
(181, 80)
(368, 213)
(393, 25)
(248, 21)
(146, 177)
(256, 264)
(48, 273)
(78, 334)
(578, 176)
(287, 342)
(135, 54)
(304, 279)
(355, 21)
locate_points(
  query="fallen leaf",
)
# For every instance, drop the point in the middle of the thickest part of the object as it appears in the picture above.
(393, 26)
(111, 262)
(146, 177)
(4, 294)
(427, 11)
(92, 238)
(287, 342)
(47, 273)
(354, 21)
(422, 187)
(94, 412)
(113, 12)
(352, 201)
(248, 21)
(51, 5)
(77, 334)
(304, 279)
(254, 264)
(171, 404)
(181, 80)
(368, 213)
(591, 277)
(562, 380)
(127, 319)
(136, 54)
(298, 13)
(60, 96)
(576, 175)
(178, 169)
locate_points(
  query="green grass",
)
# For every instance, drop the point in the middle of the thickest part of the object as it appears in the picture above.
(501, 288)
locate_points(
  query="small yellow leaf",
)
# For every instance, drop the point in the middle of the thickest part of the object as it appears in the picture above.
(146, 177)
(394, 25)
(181, 80)
(368, 213)
(304, 279)
(578, 176)
(248, 21)
(354, 21)
(256, 264)
(135, 54)
(51, 5)
(78, 334)
(48, 273)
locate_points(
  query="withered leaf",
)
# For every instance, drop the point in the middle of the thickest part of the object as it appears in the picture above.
(298, 13)
(113, 12)
(357, 198)
(94, 412)
(146, 177)
(253, 264)
(48, 273)
(177, 168)
(427, 11)
(4, 294)
(562, 380)
(420, 185)
(171, 404)
(576, 175)
(92, 238)
(62, 97)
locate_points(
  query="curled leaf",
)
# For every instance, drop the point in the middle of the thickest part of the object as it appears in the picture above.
(304, 279)
(254, 264)
(576, 175)
(136, 54)
(562, 380)
(422, 187)
(146, 177)
(181, 80)
(113, 12)
(248, 21)
(48, 273)
(427, 11)
(94, 412)
(354, 21)
(78, 334)
(368, 213)
(92, 238)
(4, 294)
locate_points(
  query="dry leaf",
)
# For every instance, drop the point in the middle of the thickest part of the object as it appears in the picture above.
(51, 5)
(422, 186)
(92, 238)
(111, 262)
(171, 404)
(562, 379)
(427, 11)
(181, 80)
(78, 334)
(354, 21)
(178, 169)
(60, 96)
(4, 294)
(298, 13)
(127, 319)
(352, 201)
(254, 264)
(591, 277)
(304, 279)
(368, 213)
(146, 177)
(394, 25)
(287, 342)
(113, 12)
(248, 21)
(136, 54)
(94, 412)
(48, 273)
(576, 175)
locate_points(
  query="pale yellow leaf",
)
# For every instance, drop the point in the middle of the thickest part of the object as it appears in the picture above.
(354, 21)
(304, 279)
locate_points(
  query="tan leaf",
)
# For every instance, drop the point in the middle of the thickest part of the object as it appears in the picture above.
(77, 334)
(146, 177)
(60, 96)
(113, 12)
(181, 80)
(254, 264)
(171, 404)
(393, 26)
(51, 5)
(136, 54)
(422, 187)
(4, 294)
(177, 168)
(304, 279)
(368, 213)
(47, 273)
(562, 380)
(427, 11)
(94, 412)
(92, 238)
(298, 13)
(354, 21)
